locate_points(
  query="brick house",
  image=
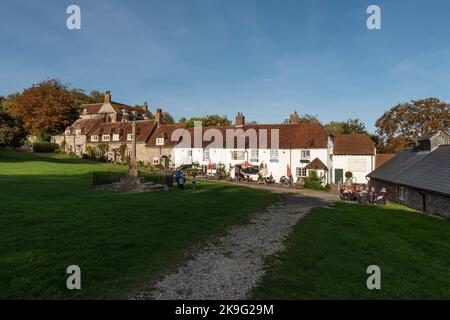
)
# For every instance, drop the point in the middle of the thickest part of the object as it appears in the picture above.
(419, 177)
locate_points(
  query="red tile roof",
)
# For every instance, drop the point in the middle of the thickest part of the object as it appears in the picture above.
(291, 136)
(85, 125)
(118, 107)
(145, 128)
(380, 159)
(316, 164)
(91, 108)
(165, 131)
(353, 144)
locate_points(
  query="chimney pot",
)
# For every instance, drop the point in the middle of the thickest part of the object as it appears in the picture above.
(294, 118)
(240, 119)
(107, 97)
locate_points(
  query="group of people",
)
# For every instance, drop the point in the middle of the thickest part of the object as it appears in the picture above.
(364, 195)
(181, 180)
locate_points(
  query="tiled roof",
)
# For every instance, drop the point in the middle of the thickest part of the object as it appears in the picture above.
(145, 128)
(85, 125)
(353, 144)
(91, 108)
(165, 131)
(418, 169)
(118, 107)
(291, 136)
(316, 164)
(380, 159)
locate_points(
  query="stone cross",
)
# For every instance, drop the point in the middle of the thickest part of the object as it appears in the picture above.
(133, 171)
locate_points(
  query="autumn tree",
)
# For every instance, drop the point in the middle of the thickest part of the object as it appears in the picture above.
(46, 108)
(404, 124)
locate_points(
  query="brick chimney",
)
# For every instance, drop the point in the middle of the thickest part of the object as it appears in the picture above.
(294, 118)
(107, 97)
(159, 118)
(240, 120)
(145, 106)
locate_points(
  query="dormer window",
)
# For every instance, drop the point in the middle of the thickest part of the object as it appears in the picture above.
(106, 137)
(78, 132)
(116, 137)
(94, 138)
(85, 111)
(129, 136)
(159, 141)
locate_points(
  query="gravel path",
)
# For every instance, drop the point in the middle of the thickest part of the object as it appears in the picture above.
(229, 267)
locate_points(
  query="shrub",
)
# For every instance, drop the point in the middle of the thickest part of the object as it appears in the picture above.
(348, 174)
(46, 147)
(315, 183)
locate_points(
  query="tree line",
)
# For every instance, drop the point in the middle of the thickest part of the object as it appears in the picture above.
(49, 106)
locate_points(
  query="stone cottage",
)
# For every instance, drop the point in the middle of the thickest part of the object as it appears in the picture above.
(419, 177)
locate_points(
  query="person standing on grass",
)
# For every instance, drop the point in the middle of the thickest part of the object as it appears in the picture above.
(181, 182)
(193, 182)
(177, 177)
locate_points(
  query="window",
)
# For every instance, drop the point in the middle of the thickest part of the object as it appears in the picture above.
(155, 160)
(116, 137)
(130, 136)
(206, 155)
(401, 194)
(237, 155)
(67, 132)
(94, 138)
(159, 141)
(189, 152)
(128, 153)
(306, 154)
(78, 132)
(301, 172)
(106, 137)
(254, 155)
(274, 155)
(357, 165)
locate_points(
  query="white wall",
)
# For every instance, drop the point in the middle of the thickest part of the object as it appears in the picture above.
(277, 169)
(343, 162)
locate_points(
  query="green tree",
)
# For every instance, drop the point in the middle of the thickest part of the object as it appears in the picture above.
(305, 118)
(12, 132)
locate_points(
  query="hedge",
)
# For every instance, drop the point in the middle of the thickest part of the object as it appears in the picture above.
(46, 147)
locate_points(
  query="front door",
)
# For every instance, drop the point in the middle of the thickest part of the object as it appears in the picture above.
(338, 176)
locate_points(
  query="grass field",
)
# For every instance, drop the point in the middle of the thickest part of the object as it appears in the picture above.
(51, 217)
(329, 251)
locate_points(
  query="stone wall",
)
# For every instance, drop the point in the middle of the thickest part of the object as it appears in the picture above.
(416, 199)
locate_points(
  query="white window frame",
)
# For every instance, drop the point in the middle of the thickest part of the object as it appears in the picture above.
(302, 172)
(254, 155)
(116, 137)
(106, 137)
(94, 137)
(306, 154)
(129, 136)
(156, 160)
(274, 156)
(189, 152)
(159, 141)
(206, 155)
(128, 153)
(78, 132)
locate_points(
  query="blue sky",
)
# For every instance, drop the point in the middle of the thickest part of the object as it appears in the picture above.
(261, 57)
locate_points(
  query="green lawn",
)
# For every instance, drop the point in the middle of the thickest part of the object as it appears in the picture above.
(51, 217)
(330, 249)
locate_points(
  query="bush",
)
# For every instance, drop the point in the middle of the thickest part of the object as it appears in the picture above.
(315, 183)
(45, 147)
